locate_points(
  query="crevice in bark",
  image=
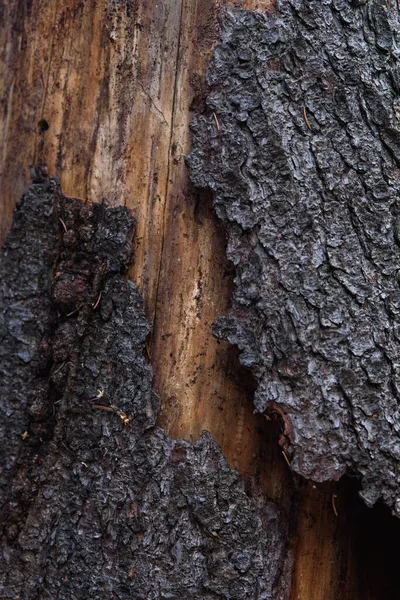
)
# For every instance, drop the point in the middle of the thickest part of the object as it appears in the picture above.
(374, 535)
(95, 501)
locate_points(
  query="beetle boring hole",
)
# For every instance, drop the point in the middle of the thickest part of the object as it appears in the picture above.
(43, 125)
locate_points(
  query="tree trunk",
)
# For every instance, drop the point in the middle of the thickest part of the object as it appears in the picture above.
(102, 94)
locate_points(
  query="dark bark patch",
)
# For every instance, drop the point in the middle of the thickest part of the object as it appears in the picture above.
(95, 502)
(305, 169)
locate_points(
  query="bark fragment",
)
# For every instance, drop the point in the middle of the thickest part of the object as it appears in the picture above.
(96, 502)
(305, 171)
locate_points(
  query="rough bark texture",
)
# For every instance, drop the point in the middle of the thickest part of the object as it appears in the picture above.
(300, 144)
(116, 82)
(96, 503)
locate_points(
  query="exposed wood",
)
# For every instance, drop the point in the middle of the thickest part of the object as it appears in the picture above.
(114, 83)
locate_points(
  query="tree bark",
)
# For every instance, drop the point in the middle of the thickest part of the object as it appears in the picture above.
(304, 166)
(102, 93)
(96, 502)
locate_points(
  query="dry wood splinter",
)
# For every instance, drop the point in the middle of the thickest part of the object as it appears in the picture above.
(95, 305)
(63, 224)
(306, 119)
(285, 456)
(217, 122)
(122, 415)
(334, 496)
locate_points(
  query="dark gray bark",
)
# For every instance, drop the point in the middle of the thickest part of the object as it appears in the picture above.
(301, 144)
(96, 502)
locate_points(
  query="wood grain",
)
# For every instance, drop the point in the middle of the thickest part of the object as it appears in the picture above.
(101, 92)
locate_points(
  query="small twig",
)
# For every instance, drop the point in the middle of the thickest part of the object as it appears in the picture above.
(106, 408)
(59, 367)
(63, 224)
(123, 416)
(74, 311)
(286, 458)
(66, 447)
(94, 306)
(217, 122)
(100, 394)
(334, 496)
(306, 119)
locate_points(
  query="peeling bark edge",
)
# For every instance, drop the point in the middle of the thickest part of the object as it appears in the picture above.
(96, 502)
(300, 145)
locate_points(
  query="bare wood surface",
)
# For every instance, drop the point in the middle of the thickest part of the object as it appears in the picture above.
(101, 93)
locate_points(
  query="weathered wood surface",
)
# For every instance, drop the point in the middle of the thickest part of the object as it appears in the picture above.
(101, 93)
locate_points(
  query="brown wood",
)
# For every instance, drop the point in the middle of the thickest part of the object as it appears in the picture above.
(101, 91)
